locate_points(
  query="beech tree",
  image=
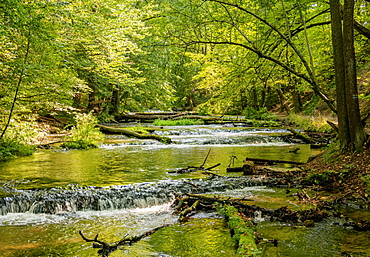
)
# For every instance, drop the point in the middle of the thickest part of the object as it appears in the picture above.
(351, 129)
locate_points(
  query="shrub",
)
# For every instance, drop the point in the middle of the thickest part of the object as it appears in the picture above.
(261, 114)
(84, 134)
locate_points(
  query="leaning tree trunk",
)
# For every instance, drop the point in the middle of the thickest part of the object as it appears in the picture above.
(20, 79)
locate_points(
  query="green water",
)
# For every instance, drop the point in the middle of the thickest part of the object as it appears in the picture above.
(26, 234)
(58, 236)
(131, 164)
(324, 239)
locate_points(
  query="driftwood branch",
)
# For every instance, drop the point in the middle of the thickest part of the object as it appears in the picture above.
(336, 129)
(196, 168)
(105, 249)
(205, 159)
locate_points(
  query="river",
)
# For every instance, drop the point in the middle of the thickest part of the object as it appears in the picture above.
(124, 188)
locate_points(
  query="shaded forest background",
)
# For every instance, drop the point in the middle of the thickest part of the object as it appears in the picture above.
(209, 56)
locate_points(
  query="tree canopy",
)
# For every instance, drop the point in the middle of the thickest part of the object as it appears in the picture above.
(213, 56)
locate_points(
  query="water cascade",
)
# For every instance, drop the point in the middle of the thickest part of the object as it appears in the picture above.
(125, 187)
(59, 200)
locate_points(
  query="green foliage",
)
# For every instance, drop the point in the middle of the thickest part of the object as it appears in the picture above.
(84, 134)
(181, 122)
(261, 114)
(325, 177)
(23, 129)
(309, 123)
(9, 148)
(332, 154)
(262, 123)
(366, 179)
(19, 138)
(261, 118)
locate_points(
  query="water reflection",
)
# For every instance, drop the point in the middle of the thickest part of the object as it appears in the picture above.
(122, 165)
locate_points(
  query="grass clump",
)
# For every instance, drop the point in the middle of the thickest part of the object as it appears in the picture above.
(12, 148)
(84, 134)
(182, 122)
(310, 123)
(20, 138)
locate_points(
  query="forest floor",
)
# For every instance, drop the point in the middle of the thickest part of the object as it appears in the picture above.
(343, 174)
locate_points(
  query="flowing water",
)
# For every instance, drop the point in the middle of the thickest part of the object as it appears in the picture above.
(124, 189)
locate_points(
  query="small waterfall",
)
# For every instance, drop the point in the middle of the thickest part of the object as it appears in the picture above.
(59, 200)
(224, 136)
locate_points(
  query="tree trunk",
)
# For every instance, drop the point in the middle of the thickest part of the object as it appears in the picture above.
(282, 99)
(254, 98)
(356, 128)
(116, 101)
(351, 131)
(296, 98)
(91, 99)
(337, 42)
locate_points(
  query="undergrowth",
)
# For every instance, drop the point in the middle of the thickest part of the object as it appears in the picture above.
(261, 114)
(84, 134)
(20, 137)
(310, 123)
(11, 148)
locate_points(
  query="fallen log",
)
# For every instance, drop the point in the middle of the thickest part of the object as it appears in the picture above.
(149, 116)
(241, 216)
(272, 162)
(242, 230)
(234, 169)
(130, 133)
(282, 214)
(302, 136)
